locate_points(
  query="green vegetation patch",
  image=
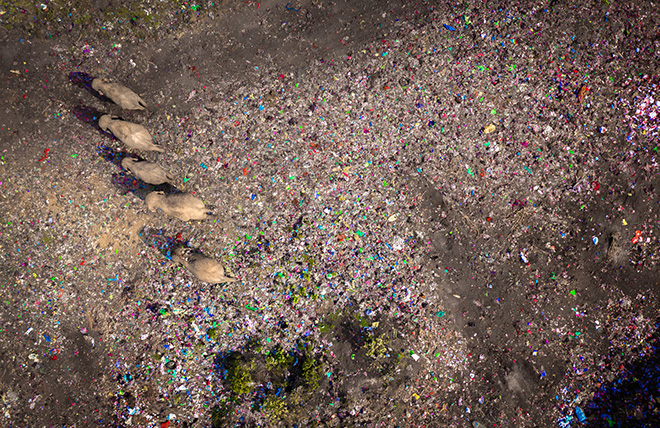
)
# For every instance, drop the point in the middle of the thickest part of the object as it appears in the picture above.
(376, 346)
(221, 414)
(275, 408)
(238, 374)
(275, 382)
(311, 370)
(279, 359)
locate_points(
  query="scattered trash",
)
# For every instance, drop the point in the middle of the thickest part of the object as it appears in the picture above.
(583, 90)
(489, 128)
(291, 8)
(45, 155)
(354, 197)
(565, 422)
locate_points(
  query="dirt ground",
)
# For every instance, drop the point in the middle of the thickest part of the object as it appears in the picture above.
(439, 215)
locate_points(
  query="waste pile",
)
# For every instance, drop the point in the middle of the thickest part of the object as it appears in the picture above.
(433, 214)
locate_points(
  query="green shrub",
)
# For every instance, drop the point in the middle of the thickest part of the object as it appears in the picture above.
(221, 414)
(311, 371)
(275, 409)
(277, 358)
(375, 347)
(238, 375)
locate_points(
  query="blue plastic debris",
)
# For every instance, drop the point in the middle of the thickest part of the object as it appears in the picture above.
(449, 27)
(580, 414)
(291, 8)
(565, 422)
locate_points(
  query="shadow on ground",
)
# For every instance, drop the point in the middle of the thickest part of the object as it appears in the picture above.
(84, 81)
(633, 399)
(124, 181)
